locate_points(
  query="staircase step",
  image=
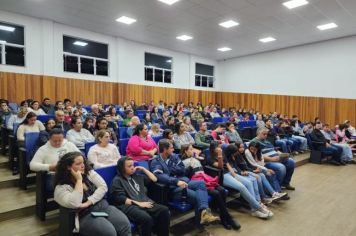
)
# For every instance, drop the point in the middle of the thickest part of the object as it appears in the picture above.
(4, 161)
(16, 203)
(31, 226)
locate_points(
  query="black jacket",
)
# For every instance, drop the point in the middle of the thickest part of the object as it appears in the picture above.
(121, 188)
(317, 136)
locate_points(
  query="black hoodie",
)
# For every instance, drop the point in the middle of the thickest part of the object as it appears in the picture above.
(121, 188)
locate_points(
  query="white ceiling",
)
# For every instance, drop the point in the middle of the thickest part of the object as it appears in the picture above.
(158, 24)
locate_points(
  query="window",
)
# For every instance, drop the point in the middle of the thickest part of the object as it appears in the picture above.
(12, 45)
(204, 75)
(158, 68)
(84, 56)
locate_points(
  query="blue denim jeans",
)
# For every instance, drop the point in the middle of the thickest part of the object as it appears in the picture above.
(346, 154)
(284, 144)
(303, 140)
(231, 182)
(272, 179)
(284, 170)
(197, 195)
(251, 184)
(263, 184)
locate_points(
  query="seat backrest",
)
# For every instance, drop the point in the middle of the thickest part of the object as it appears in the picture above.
(123, 132)
(16, 126)
(13, 106)
(87, 146)
(123, 145)
(217, 120)
(45, 118)
(30, 144)
(156, 139)
(107, 173)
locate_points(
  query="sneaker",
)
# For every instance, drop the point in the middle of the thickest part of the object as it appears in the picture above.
(206, 217)
(351, 162)
(278, 196)
(267, 200)
(260, 214)
(268, 212)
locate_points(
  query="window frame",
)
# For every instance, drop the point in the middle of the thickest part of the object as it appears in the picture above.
(4, 44)
(79, 56)
(154, 68)
(208, 77)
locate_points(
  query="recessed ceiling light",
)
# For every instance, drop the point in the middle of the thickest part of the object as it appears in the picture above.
(224, 49)
(169, 61)
(295, 3)
(229, 24)
(267, 40)
(80, 43)
(184, 37)
(169, 2)
(126, 20)
(2, 41)
(7, 28)
(327, 26)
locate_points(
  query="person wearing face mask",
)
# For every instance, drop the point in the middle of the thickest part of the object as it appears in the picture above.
(129, 194)
(79, 187)
(336, 152)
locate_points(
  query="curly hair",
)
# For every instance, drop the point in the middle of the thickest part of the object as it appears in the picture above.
(63, 174)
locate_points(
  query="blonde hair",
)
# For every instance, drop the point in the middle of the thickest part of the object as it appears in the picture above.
(100, 134)
(155, 127)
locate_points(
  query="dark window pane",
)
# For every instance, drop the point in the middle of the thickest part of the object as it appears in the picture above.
(204, 81)
(87, 66)
(92, 49)
(167, 76)
(15, 56)
(70, 63)
(211, 82)
(15, 37)
(204, 69)
(158, 75)
(197, 80)
(158, 61)
(149, 74)
(102, 68)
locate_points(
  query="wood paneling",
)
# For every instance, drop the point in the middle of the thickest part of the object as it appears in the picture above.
(17, 87)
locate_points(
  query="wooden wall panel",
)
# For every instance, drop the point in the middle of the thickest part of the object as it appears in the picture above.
(17, 87)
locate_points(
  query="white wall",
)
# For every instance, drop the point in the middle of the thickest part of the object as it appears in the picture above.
(44, 55)
(326, 69)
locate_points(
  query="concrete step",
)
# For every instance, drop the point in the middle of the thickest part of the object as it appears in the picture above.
(16, 203)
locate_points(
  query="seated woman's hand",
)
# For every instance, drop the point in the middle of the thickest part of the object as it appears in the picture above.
(145, 204)
(85, 204)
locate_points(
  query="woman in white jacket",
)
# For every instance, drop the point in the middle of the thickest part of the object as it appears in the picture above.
(79, 187)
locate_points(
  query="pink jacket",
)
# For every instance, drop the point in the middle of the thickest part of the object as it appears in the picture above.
(136, 145)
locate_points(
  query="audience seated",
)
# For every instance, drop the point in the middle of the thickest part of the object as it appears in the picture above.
(195, 171)
(95, 112)
(132, 125)
(331, 138)
(60, 122)
(4, 111)
(17, 118)
(29, 124)
(47, 107)
(196, 115)
(231, 133)
(336, 151)
(78, 135)
(232, 180)
(128, 193)
(35, 108)
(141, 146)
(284, 167)
(155, 130)
(189, 127)
(89, 124)
(79, 187)
(103, 153)
(219, 134)
(102, 124)
(170, 170)
(181, 136)
(259, 122)
(203, 137)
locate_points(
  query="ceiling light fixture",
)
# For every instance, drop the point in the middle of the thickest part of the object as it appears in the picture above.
(126, 20)
(327, 26)
(267, 40)
(229, 24)
(224, 49)
(169, 2)
(295, 3)
(184, 37)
